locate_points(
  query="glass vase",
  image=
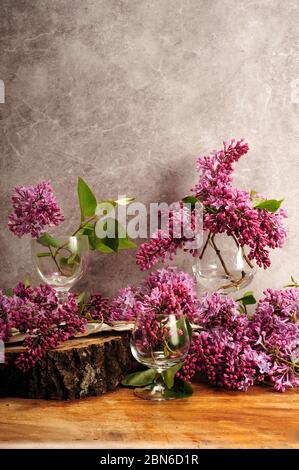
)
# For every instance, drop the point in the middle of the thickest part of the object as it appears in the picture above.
(222, 265)
(60, 262)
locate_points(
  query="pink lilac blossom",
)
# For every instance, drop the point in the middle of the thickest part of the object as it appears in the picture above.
(166, 291)
(235, 351)
(37, 312)
(173, 291)
(226, 210)
(221, 352)
(181, 229)
(35, 207)
(98, 307)
(274, 330)
(224, 361)
(126, 305)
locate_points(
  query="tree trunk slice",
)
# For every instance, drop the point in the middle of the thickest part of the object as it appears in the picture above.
(80, 367)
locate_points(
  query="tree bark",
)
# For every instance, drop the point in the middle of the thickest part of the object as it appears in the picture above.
(80, 367)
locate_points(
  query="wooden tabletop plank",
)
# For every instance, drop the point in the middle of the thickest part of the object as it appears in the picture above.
(211, 418)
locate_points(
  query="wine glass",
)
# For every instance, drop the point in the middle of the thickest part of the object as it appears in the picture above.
(159, 341)
(60, 262)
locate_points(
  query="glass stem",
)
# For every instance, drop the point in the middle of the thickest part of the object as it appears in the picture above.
(159, 382)
(62, 296)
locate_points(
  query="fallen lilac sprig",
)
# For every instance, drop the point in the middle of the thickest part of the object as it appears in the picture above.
(37, 313)
(235, 351)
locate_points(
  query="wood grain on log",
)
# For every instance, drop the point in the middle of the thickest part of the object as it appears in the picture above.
(80, 367)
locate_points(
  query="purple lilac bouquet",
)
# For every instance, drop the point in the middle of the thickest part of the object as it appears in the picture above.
(250, 219)
(35, 207)
(235, 351)
(37, 313)
(166, 291)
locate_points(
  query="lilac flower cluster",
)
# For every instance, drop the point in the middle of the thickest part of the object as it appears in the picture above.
(35, 207)
(231, 210)
(37, 312)
(97, 308)
(164, 244)
(166, 291)
(234, 351)
(226, 210)
(274, 331)
(221, 352)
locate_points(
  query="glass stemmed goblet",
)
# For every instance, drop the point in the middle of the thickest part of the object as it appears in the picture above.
(159, 341)
(60, 262)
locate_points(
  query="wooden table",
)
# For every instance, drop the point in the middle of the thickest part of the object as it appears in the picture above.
(211, 418)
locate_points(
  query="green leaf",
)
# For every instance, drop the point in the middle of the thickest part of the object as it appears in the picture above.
(190, 199)
(73, 259)
(210, 210)
(270, 205)
(81, 298)
(169, 374)
(189, 328)
(27, 282)
(88, 230)
(9, 292)
(293, 283)
(100, 246)
(181, 389)
(125, 244)
(87, 199)
(111, 243)
(64, 262)
(140, 379)
(247, 299)
(43, 254)
(253, 193)
(91, 240)
(47, 240)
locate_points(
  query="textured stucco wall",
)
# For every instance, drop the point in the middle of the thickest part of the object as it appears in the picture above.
(127, 93)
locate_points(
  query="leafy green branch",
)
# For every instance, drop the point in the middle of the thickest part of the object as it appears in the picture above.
(93, 214)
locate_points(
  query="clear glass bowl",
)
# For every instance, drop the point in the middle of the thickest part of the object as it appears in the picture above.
(60, 262)
(159, 341)
(224, 265)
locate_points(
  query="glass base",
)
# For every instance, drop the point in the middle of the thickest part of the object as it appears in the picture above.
(212, 282)
(152, 393)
